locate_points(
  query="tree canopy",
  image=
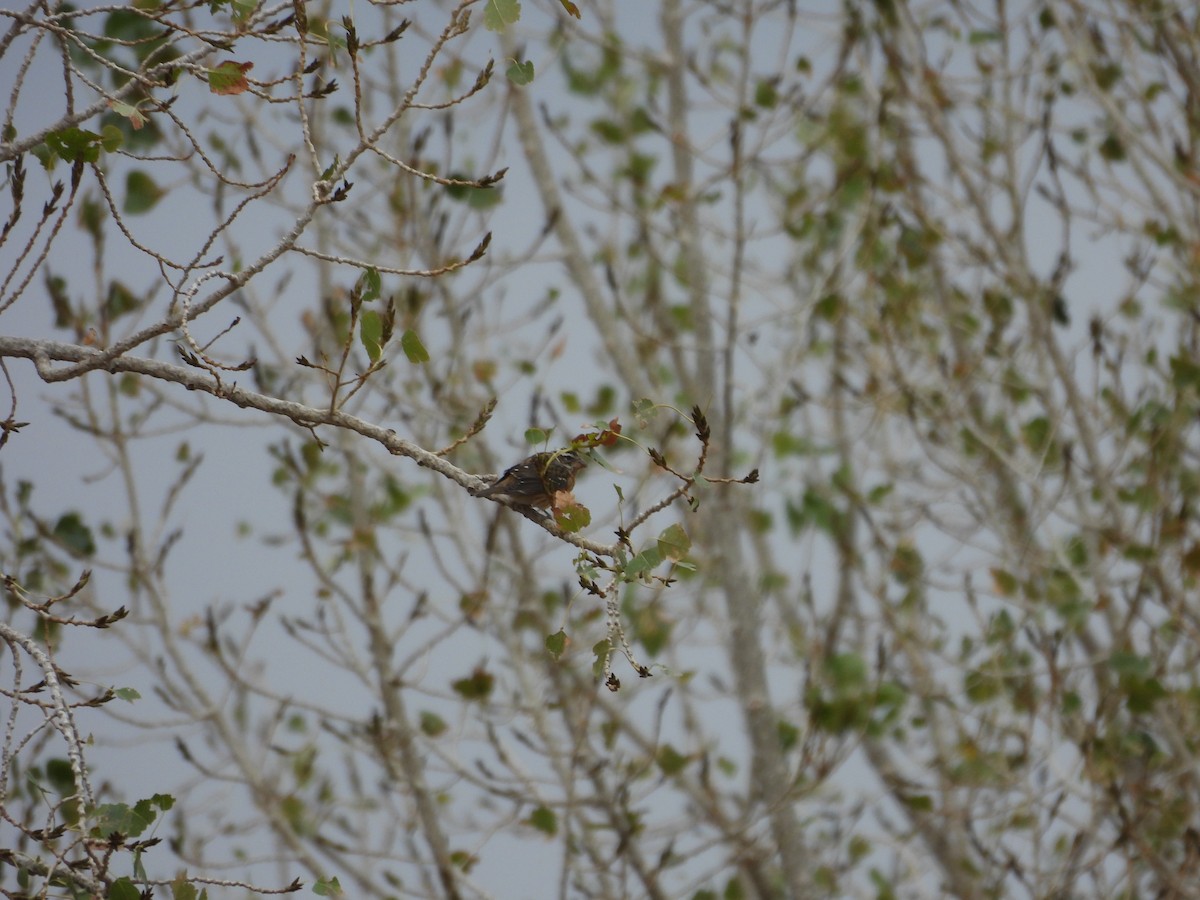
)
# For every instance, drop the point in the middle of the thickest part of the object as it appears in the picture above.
(877, 324)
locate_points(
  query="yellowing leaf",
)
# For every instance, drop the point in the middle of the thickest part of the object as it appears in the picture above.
(137, 118)
(570, 516)
(229, 77)
(674, 543)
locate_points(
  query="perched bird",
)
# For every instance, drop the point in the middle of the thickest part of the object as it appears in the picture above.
(535, 480)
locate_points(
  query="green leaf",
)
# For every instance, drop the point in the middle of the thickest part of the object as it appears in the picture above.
(983, 37)
(1112, 149)
(371, 333)
(1037, 433)
(129, 25)
(556, 643)
(674, 543)
(432, 724)
(608, 131)
(1107, 75)
(829, 307)
(766, 93)
(1006, 583)
(327, 887)
(61, 776)
(297, 814)
(643, 411)
(906, 564)
(604, 401)
(1185, 373)
(335, 40)
(44, 154)
(477, 686)
(71, 144)
(120, 300)
(123, 889)
(544, 820)
(601, 650)
(981, 688)
(371, 284)
(484, 198)
(111, 137)
(332, 167)
(141, 193)
(1130, 664)
(570, 8)
(1191, 560)
(310, 453)
(60, 300)
(74, 535)
(137, 118)
(816, 510)
(1143, 694)
(129, 385)
(649, 624)
(128, 694)
(239, 10)
(499, 14)
(92, 214)
(413, 348)
(879, 493)
(182, 889)
(670, 760)
(639, 168)
(848, 671)
(573, 517)
(784, 443)
(520, 73)
(645, 561)
(459, 191)
(918, 802)
(129, 821)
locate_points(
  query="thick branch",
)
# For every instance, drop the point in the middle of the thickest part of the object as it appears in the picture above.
(45, 353)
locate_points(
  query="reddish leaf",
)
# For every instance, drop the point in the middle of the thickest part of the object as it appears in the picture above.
(229, 77)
